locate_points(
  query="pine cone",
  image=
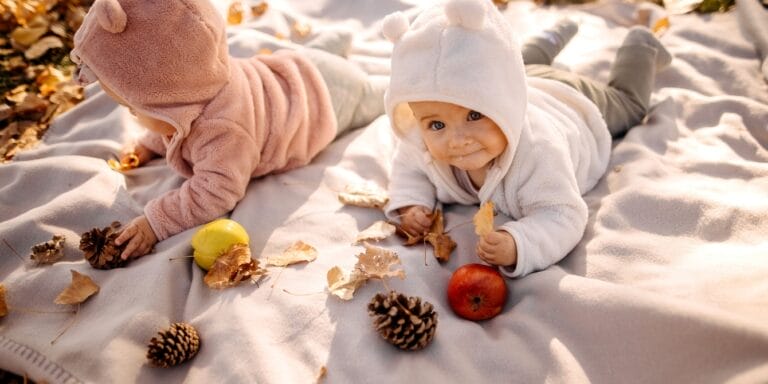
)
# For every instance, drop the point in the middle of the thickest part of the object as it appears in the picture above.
(173, 346)
(406, 322)
(100, 249)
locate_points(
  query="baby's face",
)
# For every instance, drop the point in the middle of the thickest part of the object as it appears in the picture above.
(458, 136)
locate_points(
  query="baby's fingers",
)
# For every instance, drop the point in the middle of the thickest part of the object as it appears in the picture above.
(131, 248)
(126, 234)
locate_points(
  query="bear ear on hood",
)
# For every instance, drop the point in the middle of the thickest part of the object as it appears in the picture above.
(394, 26)
(110, 15)
(469, 14)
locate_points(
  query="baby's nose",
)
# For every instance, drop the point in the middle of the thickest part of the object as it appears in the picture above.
(459, 140)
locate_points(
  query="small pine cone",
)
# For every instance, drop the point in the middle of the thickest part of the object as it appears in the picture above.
(174, 345)
(405, 321)
(100, 249)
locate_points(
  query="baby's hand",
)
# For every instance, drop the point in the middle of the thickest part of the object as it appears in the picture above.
(136, 156)
(415, 219)
(498, 248)
(140, 237)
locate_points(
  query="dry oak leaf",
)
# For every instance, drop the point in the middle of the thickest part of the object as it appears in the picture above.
(81, 288)
(483, 219)
(233, 267)
(48, 252)
(377, 231)
(376, 263)
(367, 195)
(3, 304)
(297, 253)
(342, 285)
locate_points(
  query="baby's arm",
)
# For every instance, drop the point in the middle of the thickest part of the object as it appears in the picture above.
(222, 161)
(222, 158)
(411, 194)
(554, 215)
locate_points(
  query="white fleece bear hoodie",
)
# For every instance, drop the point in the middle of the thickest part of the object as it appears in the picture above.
(464, 52)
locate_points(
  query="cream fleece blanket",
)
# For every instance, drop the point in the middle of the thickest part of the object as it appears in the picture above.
(669, 284)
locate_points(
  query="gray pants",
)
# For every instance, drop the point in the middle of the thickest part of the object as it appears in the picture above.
(624, 100)
(357, 97)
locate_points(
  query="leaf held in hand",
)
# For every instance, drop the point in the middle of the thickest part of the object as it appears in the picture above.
(49, 252)
(81, 288)
(233, 267)
(368, 195)
(3, 304)
(442, 244)
(483, 219)
(378, 231)
(296, 253)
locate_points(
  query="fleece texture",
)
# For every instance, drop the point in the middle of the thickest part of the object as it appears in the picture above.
(235, 119)
(464, 52)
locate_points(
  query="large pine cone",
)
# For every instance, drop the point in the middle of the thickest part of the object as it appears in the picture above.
(173, 346)
(100, 249)
(404, 321)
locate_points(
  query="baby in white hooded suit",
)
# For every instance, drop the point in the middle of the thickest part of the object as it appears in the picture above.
(478, 124)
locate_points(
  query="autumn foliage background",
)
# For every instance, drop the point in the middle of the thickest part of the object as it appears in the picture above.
(36, 81)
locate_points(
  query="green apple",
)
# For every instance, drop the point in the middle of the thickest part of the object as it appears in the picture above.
(215, 238)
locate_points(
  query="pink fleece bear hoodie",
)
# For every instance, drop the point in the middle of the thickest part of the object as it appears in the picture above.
(235, 119)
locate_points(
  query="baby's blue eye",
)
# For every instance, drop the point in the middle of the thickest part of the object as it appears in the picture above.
(436, 125)
(474, 115)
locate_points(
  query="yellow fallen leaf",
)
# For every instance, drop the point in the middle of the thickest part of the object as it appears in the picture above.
(367, 195)
(342, 285)
(235, 13)
(296, 253)
(302, 29)
(3, 304)
(81, 288)
(483, 219)
(377, 231)
(233, 267)
(40, 47)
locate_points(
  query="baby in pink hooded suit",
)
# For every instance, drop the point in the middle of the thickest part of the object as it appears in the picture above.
(218, 120)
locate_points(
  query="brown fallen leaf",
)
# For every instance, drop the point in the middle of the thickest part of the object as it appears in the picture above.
(48, 252)
(297, 253)
(442, 244)
(483, 219)
(377, 231)
(367, 195)
(3, 304)
(81, 288)
(259, 9)
(233, 267)
(42, 46)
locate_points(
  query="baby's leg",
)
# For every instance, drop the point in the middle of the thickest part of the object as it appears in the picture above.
(357, 98)
(543, 47)
(632, 77)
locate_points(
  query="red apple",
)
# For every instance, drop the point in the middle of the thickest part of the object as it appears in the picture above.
(477, 292)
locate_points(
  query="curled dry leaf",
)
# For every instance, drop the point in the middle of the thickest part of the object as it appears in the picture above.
(378, 231)
(259, 9)
(296, 253)
(483, 219)
(48, 252)
(374, 263)
(367, 195)
(233, 267)
(442, 244)
(3, 304)
(344, 285)
(81, 288)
